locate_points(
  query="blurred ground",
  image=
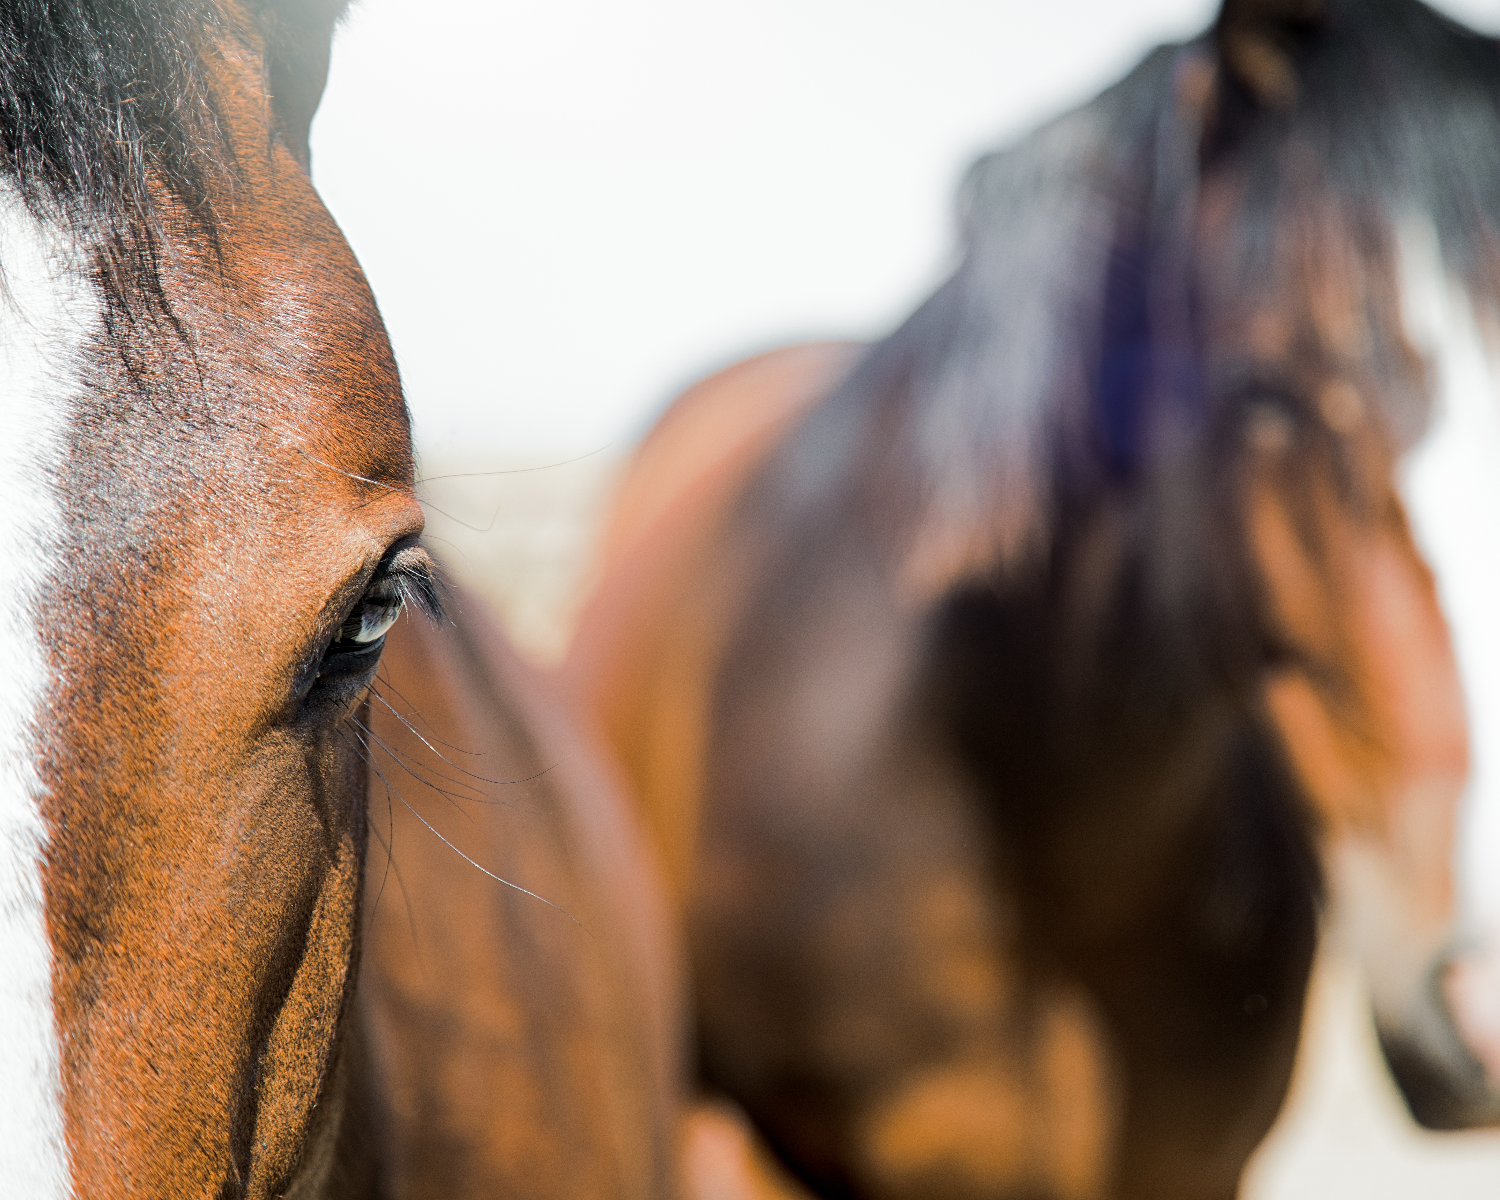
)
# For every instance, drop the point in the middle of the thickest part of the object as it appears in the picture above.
(521, 535)
(1345, 1134)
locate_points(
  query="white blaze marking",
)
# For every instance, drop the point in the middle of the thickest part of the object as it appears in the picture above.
(1451, 487)
(45, 308)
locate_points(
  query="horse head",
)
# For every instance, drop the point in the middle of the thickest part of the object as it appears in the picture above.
(1347, 263)
(1270, 213)
(1230, 406)
(208, 479)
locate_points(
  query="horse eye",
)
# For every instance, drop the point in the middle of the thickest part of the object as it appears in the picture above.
(372, 617)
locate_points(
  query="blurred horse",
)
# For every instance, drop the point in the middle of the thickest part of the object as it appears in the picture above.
(210, 529)
(1005, 695)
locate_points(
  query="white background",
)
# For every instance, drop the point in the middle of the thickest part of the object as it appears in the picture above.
(570, 208)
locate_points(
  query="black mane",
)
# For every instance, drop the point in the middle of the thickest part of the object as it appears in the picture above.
(1069, 325)
(99, 99)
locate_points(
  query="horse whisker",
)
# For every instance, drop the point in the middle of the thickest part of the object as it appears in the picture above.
(517, 470)
(386, 683)
(410, 764)
(392, 790)
(390, 856)
(396, 758)
(470, 774)
(485, 871)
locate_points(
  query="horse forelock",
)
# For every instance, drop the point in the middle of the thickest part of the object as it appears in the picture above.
(109, 118)
(47, 309)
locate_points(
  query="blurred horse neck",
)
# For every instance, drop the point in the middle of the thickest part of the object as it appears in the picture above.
(682, 485)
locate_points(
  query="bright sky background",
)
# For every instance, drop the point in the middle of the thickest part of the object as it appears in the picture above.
(570, 208)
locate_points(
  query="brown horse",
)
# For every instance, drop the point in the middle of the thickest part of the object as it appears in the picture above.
(512, 1043)
(1004, 695)
(211, 527)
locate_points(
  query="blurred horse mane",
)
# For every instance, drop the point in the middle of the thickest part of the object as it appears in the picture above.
(1073, 348)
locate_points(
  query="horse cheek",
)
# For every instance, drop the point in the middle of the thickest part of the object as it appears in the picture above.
(290, 1117)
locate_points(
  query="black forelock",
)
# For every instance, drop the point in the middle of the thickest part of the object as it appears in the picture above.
(97, 98)
(1400, 106)
(103, 100)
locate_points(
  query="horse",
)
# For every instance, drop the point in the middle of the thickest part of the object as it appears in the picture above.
(1011, 698)
(212, 534)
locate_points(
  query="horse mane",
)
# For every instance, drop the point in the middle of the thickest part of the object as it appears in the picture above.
(106, 106)
(1048, 455)
(1078, 315)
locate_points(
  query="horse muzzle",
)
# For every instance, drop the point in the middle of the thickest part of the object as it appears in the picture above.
(1444, 1050)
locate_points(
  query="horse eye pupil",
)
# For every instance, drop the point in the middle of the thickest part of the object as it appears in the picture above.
(370, 621)
(375, 619)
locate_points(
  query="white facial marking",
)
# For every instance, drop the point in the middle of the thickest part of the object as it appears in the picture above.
(46, 309)
(1451, 488)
